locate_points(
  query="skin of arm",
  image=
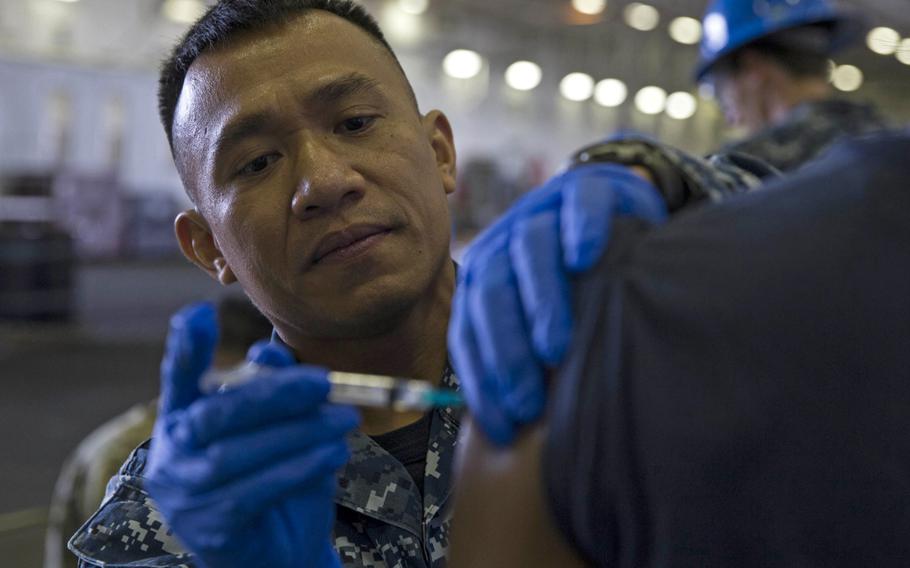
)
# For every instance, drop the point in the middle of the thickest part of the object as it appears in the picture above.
(501, 514)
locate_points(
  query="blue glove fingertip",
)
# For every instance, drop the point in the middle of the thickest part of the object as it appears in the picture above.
(585, 221)
(195, 331)
(578, 261)
(497, 428)
(525, 401)
(553, 337)
(642, 199)
(270, 354)
(188, 353)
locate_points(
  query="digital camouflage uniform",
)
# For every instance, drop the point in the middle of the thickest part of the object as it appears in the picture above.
(681, 178)
(808, 131)
(82, 483)
(382, 522)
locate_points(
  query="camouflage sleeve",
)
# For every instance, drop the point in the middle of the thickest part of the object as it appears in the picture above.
(128, 530)
(683, 179)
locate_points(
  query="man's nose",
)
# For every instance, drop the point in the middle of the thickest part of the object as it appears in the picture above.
(327, 180)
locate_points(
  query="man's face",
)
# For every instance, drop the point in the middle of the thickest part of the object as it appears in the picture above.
(740, 97)
(322, 188)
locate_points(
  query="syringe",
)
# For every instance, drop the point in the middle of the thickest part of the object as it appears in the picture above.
(356, 389)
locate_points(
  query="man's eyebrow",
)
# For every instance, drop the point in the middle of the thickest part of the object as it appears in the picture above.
(345, 86)
(245, 127)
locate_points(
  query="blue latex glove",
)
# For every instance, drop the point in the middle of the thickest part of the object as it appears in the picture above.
(246, 477)
(512, 313)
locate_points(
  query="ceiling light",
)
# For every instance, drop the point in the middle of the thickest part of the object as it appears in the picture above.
(415, 7)
(610, 92)
(400, 25)
(685, 30)
(523, 75)
(651, 100)
(183, 11)
(847, 78)
(883, 40)
(590, 7)
(903, 52)
(681, 105)
(642, 17)
(462, 64)
(577, 86)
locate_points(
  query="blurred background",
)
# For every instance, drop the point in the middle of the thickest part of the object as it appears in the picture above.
(89, 269)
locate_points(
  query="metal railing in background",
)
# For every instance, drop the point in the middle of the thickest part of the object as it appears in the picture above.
(22, 539)
(23, 519)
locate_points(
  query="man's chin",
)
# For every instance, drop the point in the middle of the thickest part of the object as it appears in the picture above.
(364, 318)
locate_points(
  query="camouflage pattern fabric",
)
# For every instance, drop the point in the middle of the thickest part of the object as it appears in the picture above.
(382, 521)
(682, 179)
(82, 483)
(128, 530)
(808, 131)
(389, 524)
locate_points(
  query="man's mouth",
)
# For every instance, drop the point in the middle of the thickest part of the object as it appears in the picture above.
(348, 243)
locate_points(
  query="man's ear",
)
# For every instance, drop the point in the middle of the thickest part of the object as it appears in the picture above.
(198, 245)
(439, 132)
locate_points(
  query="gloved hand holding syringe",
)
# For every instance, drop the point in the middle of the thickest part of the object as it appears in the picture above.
(355, 389)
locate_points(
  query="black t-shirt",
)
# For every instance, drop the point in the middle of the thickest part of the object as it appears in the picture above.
(738, 390)
(409, 446)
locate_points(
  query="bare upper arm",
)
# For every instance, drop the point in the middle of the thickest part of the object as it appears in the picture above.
(501, 514)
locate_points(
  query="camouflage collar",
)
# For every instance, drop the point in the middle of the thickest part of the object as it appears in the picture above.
(375, 484)
(808, 131)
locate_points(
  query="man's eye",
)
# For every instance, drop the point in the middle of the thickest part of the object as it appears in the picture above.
(356, 124)
(258, 164)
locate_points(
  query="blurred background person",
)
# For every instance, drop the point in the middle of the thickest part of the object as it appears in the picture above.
(86, 473)
(768, 64)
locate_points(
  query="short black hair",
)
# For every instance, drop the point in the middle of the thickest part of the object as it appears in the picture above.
(228, 17)
(802, 52)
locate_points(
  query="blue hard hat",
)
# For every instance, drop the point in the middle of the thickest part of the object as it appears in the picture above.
(731, 24)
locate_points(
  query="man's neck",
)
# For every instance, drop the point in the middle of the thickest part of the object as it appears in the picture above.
(415, 347)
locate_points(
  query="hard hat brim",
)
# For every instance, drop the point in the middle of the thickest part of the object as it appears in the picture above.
(845, 28)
